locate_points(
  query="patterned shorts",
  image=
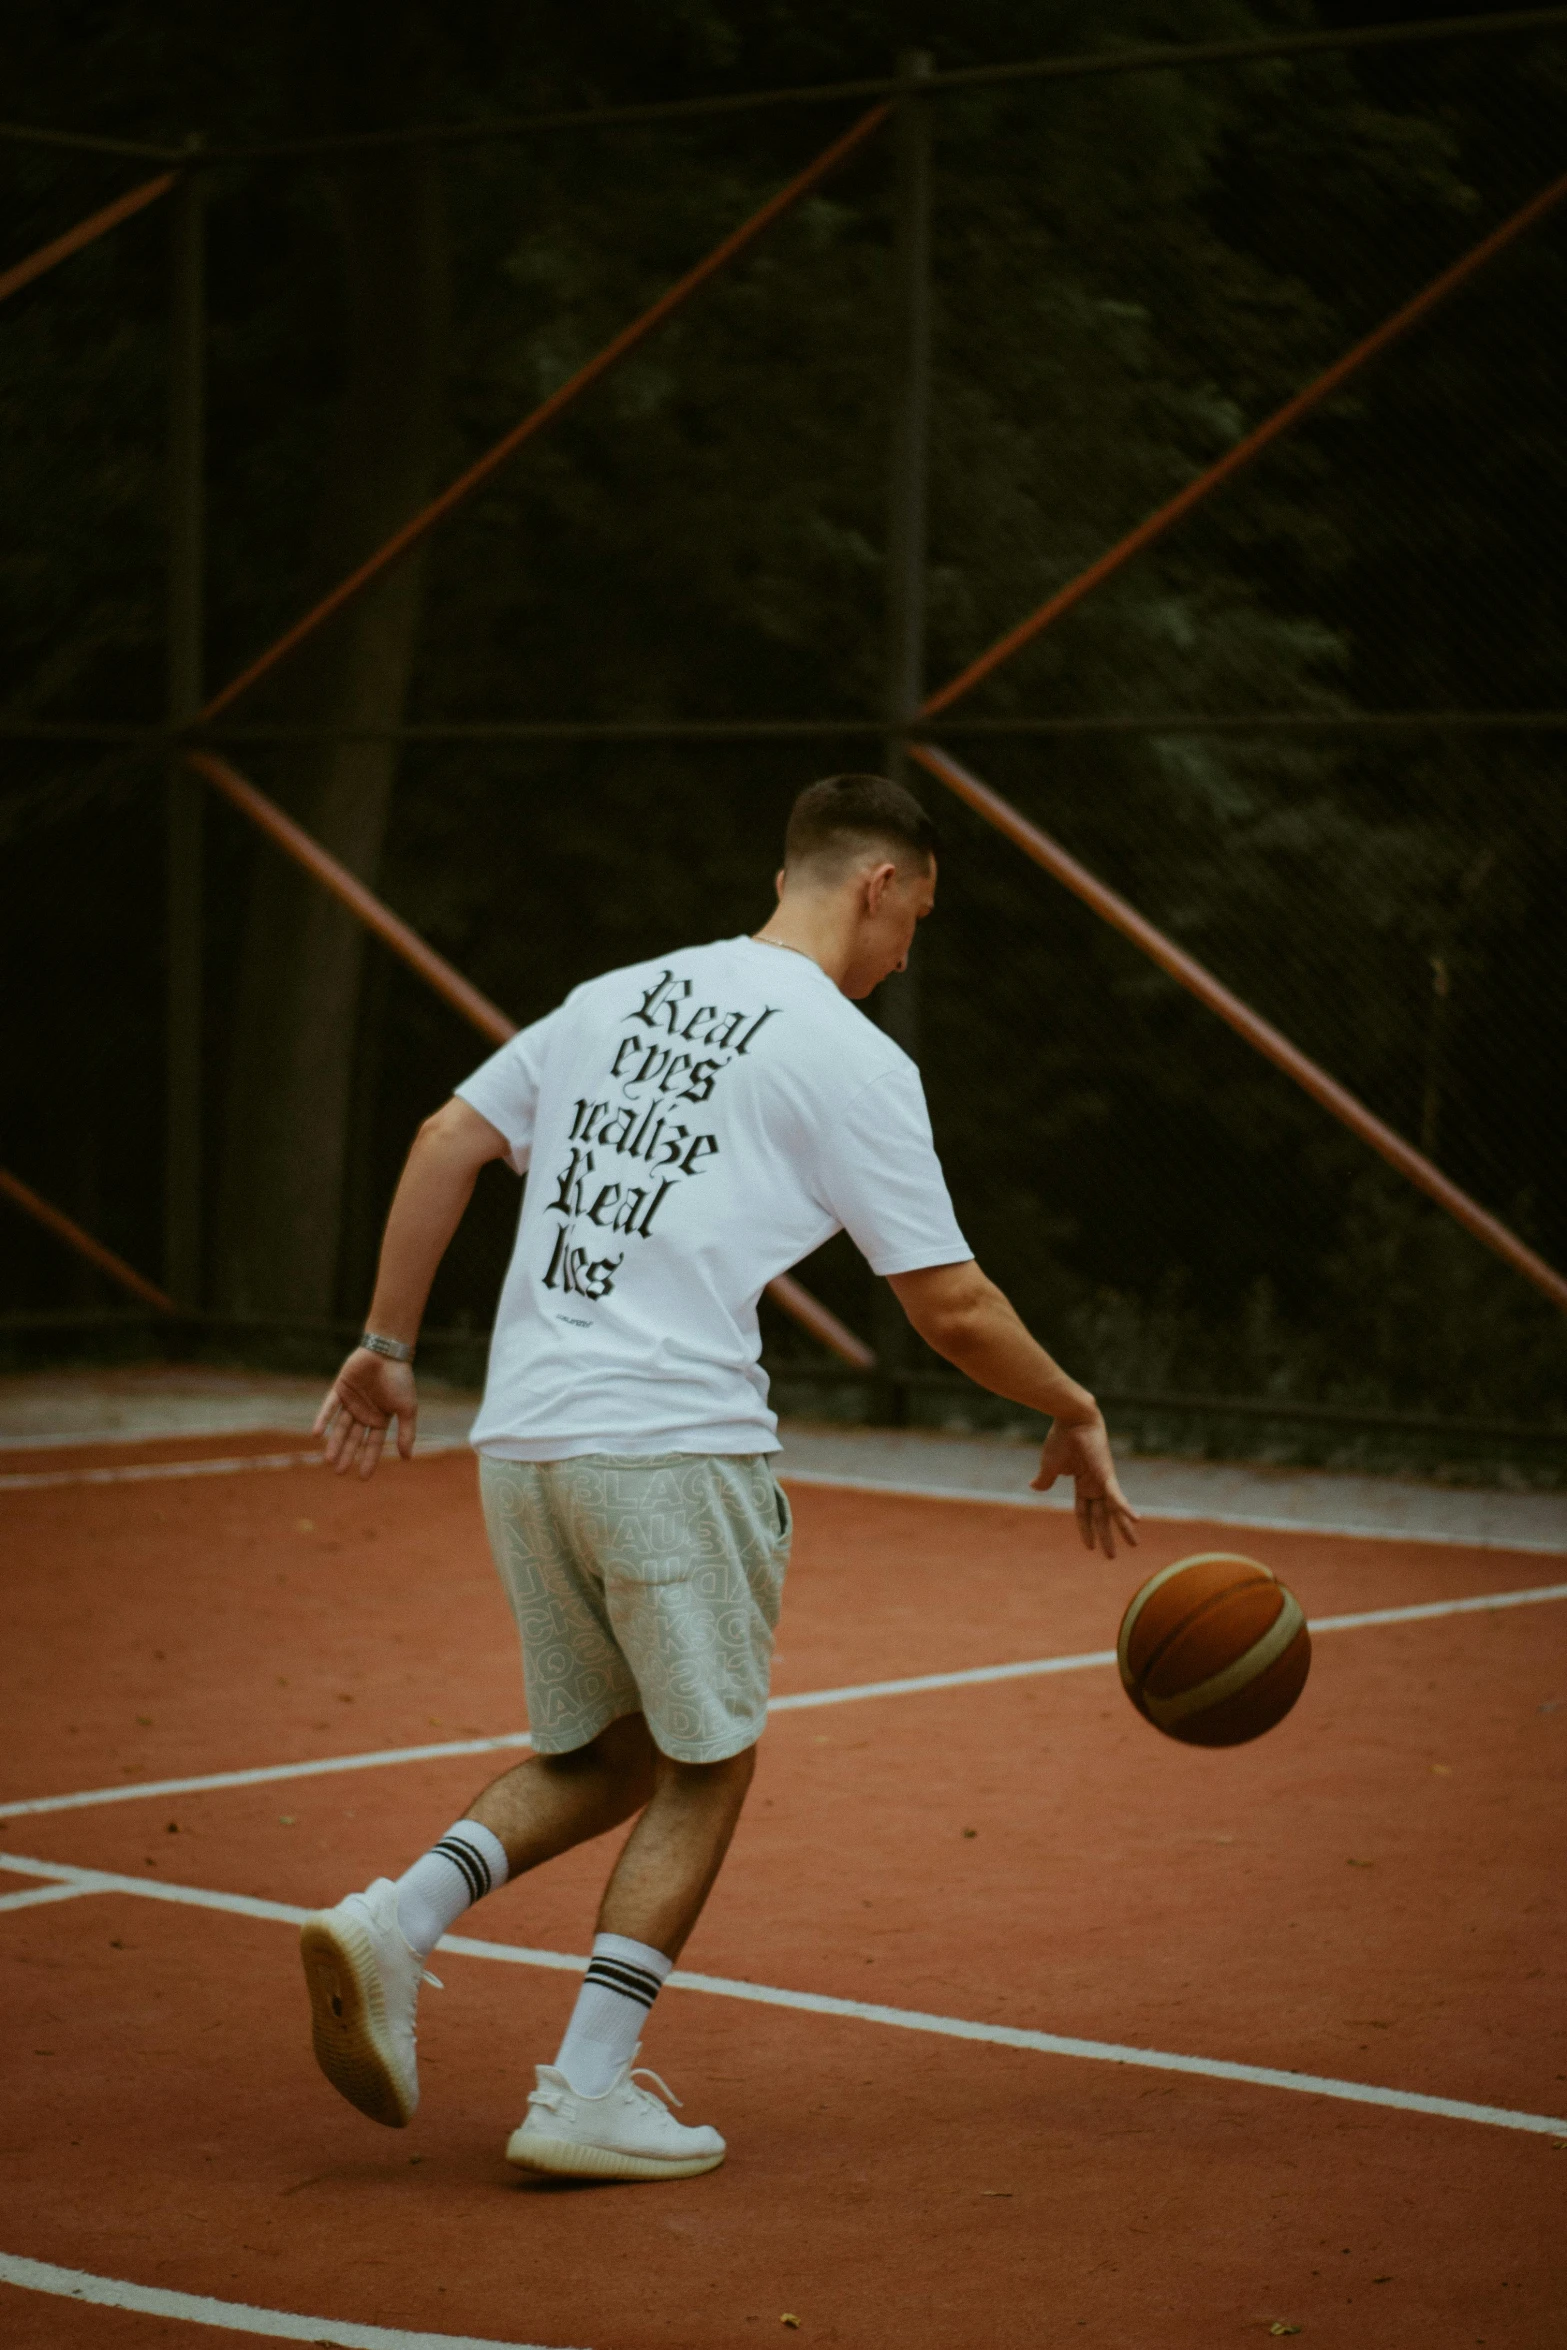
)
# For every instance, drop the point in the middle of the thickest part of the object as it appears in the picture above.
(648, 1584)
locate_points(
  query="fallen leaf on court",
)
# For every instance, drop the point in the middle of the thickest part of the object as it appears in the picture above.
(1443, 1770)
(971, 1831)
(304, 1525)
(287, 1819)
(1279, 2327)
(144, 1721)
(1559, 2145)
(787, 2320)
(998, 2194)
(1381, 2280)
(172, 1829)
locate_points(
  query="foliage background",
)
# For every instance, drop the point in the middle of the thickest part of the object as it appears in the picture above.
(1130, 271)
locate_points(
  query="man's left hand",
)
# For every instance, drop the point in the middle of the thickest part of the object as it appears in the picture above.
(1080, 1449)
(369, 1392)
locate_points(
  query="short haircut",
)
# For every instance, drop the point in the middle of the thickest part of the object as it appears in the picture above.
(834, 822)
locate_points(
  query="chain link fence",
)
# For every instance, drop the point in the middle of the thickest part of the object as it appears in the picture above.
(1316, 735)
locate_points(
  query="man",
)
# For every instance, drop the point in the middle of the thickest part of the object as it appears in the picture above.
(694, 1125)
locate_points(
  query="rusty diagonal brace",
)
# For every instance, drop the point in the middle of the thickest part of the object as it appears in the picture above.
(1115, 910)
(86, 232)
(794, 1299)
(53, 1220)
(449, 983)
(599, 365)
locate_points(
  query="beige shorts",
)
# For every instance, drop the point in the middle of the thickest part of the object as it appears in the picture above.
(642, 1584)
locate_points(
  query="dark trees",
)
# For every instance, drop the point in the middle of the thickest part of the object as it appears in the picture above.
(290, 1077)
(1129, 272)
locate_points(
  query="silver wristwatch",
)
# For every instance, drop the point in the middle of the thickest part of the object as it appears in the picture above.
(393, 1348)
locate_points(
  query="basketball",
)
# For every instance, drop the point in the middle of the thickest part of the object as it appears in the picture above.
(1214, 1650)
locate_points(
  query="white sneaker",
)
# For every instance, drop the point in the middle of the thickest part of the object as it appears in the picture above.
(363, 1978)
(625, 2134)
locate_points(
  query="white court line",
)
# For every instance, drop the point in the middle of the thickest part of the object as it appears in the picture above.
(906, 2019)
(32, 1481)
(141, 1472)
(1146, 1511)
(263, 1775)
(235, 2317)
(1440, 1607)
(914, 1686)
(37, 1893)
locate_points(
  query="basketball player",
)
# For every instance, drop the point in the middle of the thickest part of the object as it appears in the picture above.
(690, 1127)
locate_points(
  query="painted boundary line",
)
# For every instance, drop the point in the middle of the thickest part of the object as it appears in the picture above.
(915, 1685)
(215, 1781)
(37, 1893)
(39, 1480)
(1530, 1597)
(144, 1472)
(235, 2317)
(1175, 1517)
(906, 2019)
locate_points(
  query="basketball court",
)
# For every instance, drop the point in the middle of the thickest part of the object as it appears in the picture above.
(1023, 2023)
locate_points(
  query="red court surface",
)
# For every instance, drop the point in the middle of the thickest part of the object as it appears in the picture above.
(1372, 1895)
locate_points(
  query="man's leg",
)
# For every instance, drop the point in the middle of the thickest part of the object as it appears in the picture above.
(536, 1809)
(364, 1960)
(654, 1897)
(587, 2117)
(547, 1804)
(671, 1859)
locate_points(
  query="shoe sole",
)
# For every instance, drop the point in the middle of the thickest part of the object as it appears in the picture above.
(561, 2159)
(348, 2020)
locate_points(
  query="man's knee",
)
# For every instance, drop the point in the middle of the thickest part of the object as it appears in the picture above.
(622, 1750)
(733, 1774)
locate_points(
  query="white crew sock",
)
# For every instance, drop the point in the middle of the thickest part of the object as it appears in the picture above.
(623, 1980)
(468, 1862)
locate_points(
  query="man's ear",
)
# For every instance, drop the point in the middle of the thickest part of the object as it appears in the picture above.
(875, 883)
(778, 884)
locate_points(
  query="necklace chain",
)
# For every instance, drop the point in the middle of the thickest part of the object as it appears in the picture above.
(782, 944)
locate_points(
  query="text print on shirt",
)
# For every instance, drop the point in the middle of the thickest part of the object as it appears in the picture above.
(653, 1075)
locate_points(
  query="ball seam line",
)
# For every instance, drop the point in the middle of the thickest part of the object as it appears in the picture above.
(1140, 1599)
(1281, 1633)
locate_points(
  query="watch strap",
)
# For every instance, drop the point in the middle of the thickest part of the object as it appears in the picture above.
(394, 1349)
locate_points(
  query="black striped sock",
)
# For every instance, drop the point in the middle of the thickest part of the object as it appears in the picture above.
(623, 1980)
(632, 1982)
(463, 1855)
(468, 1862)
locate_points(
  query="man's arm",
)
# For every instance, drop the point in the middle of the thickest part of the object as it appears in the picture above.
(435, 1187)
(965, 1317)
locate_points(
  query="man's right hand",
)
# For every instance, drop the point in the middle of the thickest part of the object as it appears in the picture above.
(369, 1392)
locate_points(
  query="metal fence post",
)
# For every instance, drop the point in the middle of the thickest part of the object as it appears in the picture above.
(897, 1001)
(183, 803)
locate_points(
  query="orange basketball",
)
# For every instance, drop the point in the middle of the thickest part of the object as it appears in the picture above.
(1214, 1650)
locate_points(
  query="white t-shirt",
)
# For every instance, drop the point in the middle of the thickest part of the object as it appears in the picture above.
(696, 1125)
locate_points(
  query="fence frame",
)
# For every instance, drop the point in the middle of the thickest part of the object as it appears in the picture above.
(906, 728)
